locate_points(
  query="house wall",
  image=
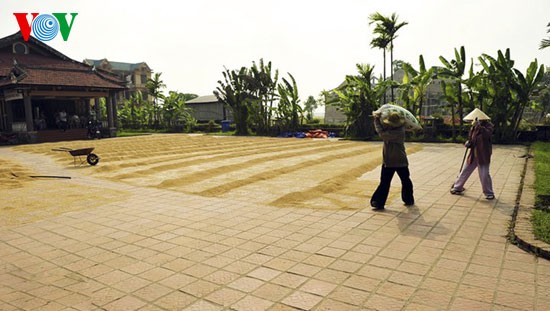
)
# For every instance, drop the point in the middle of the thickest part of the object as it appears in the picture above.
(333, 115)
(209, 111)
(141, 76)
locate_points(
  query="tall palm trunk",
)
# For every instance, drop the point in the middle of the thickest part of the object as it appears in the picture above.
(384, 53)
(391, 69)
(460, 109)
(453, 128)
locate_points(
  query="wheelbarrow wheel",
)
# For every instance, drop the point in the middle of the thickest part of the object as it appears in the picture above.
(92, 159)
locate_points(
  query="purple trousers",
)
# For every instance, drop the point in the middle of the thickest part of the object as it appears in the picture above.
(484, 177)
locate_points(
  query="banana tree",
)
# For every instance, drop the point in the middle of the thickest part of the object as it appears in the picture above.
(454, 70)
(264, 85)
(415, 85)
(510, 91)
(525, 87)
(474, 94)
(234, 91)
(358, 97)
(289, 111)
(155, 86)
(132, 113)
(175, 109)
(544, 43)
(499, 75)
(542, 99)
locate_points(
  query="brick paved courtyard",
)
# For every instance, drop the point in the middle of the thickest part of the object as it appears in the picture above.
(159, 249)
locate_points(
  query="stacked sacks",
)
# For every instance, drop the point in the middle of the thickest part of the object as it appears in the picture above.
(317, 134)
(410, 122)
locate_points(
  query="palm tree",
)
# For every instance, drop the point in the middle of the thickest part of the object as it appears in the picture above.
(387, 27)
(309, 106)
(545, 42)
(382, 42)
(155, 86)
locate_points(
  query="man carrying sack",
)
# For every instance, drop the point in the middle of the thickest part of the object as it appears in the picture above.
(392, 132)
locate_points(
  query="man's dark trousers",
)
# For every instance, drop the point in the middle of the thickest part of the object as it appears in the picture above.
(381, 194)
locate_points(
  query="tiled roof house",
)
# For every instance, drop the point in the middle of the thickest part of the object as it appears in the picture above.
(37, 81)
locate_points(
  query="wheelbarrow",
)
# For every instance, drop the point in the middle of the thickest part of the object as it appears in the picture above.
(91, 158)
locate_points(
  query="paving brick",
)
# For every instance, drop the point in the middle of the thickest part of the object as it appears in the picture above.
(334, 305)
(200, 288)
(379, 302)
(301, 300)
(460, 304)
(251, 303)
(152, 292)
(289, 280)
(225, 296)
(272, 292)
(432, 298)
(203, 305)
(398, 291)
(175, 300)
(130, 284)
(317, 287)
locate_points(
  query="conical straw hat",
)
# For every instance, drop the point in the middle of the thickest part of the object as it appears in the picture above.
(476, 114)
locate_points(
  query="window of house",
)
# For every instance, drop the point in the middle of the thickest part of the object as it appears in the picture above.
(143, 79)
(20, 48)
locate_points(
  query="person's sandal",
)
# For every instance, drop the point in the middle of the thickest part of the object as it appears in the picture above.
(375, 207)
(490, 197)
(456, 192)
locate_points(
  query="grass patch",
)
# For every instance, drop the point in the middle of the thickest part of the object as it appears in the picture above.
(541, 225)
(136, 132)
(220, 133)
(542, 172)
(541, 213)
(130, 133)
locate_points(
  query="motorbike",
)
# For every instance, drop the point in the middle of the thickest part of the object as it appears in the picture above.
(94, 129)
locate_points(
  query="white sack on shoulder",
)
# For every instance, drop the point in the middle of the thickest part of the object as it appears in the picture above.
(411, 123)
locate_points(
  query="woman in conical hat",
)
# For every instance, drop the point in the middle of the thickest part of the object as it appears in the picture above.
(481, 147)
(476, 114)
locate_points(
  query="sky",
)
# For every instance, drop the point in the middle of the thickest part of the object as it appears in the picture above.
(319, 42)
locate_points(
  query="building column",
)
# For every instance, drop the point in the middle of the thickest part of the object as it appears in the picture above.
(9, 116)
(115, 112)
(111, 113)
(28, 112)
(109, 102)
(97, 109)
